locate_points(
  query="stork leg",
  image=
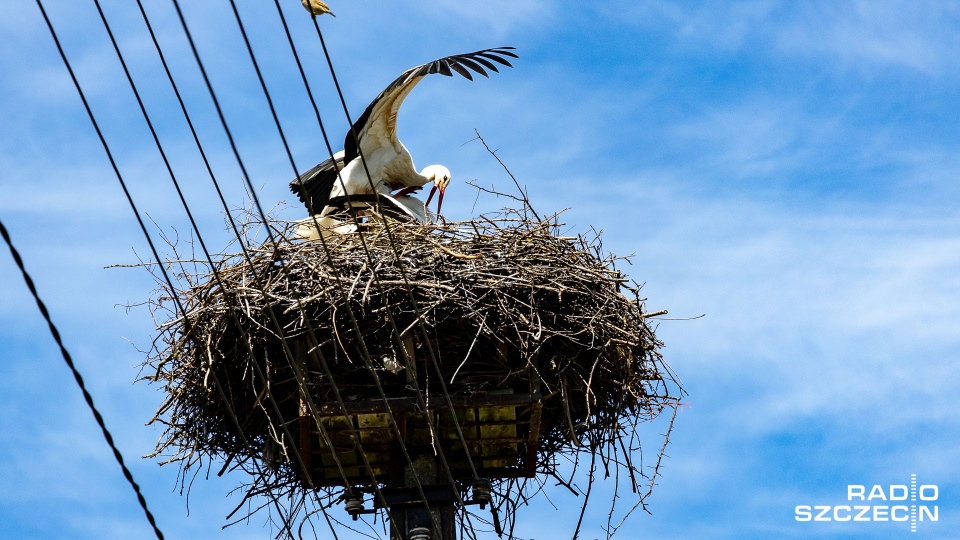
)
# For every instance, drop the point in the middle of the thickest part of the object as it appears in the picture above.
(407, 190)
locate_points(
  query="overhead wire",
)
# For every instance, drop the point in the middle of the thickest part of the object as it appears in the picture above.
(418, 318)
(252, 192)
(386, 225)
(119, 176)
(246, 176)
(396, 330)
(213, 267)
(367, 357)
(79, 380)
(195, 227)
(43, 310)
(403, 274)
(263, 216)
(137, 214)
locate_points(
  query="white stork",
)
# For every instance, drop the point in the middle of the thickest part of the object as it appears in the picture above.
(374, 138)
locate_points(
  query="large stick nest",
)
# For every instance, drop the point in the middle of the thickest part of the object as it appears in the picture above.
(486, 305)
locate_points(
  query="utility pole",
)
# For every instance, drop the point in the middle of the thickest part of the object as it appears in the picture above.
(421, 508)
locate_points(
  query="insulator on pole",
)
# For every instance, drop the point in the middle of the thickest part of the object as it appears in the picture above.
(481, 492)
(418, 533)
(353, 503)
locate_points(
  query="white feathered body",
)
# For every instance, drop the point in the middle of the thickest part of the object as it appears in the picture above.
(374, 160)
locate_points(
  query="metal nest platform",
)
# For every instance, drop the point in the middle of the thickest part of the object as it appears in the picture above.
(493, 434)
(327, 366)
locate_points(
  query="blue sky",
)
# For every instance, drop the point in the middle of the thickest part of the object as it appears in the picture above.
(788, 169)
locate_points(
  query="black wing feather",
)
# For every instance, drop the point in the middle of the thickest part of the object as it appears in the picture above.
(472, 65)
(488, 64)
(313, 187)
(495, 58)
(506, 51)
(460, 69)
(443, 67)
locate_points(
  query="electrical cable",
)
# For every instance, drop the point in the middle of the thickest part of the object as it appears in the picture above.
(301, 378)
(286, 146)
(246, 176)
(76, 374)
(213, 267)
(130, 202)
(393, 245)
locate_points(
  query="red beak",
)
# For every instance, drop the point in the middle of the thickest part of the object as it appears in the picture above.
(439, 199)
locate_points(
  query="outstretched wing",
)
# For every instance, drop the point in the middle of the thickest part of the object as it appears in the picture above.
(377, 126)
(313, 187)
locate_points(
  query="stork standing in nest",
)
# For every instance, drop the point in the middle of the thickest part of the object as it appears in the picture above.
(374, 160)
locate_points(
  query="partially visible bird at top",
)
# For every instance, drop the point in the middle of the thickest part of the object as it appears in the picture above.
(316, 7)
(374, 138)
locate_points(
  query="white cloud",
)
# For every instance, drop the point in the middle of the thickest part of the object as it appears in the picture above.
(728, 26)
(758, 138)
(820, 307)
(501, 17)
(832, 309)
(917, 36)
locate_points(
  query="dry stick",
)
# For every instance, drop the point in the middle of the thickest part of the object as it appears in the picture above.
(626, 454)
(616, 495)
(527, 306)
(297, 456)
(526, 199)
(564, 483)
(656, 469)
(493, 191)
(467, 356)
(586, 497)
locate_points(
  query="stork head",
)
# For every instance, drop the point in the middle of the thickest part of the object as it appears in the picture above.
(440, 176)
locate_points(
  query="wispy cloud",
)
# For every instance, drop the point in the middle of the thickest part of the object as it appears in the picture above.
(830, 307)
(918, 36)
(501, 17)
(757, 138)
(810, 215)
(729, 26)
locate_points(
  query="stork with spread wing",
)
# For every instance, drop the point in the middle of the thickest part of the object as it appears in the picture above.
(373, 158)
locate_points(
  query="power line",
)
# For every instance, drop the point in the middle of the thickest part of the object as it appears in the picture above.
(263, 216)
(301, 378)
(76, 376)
(194, 226)
(366, 355)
